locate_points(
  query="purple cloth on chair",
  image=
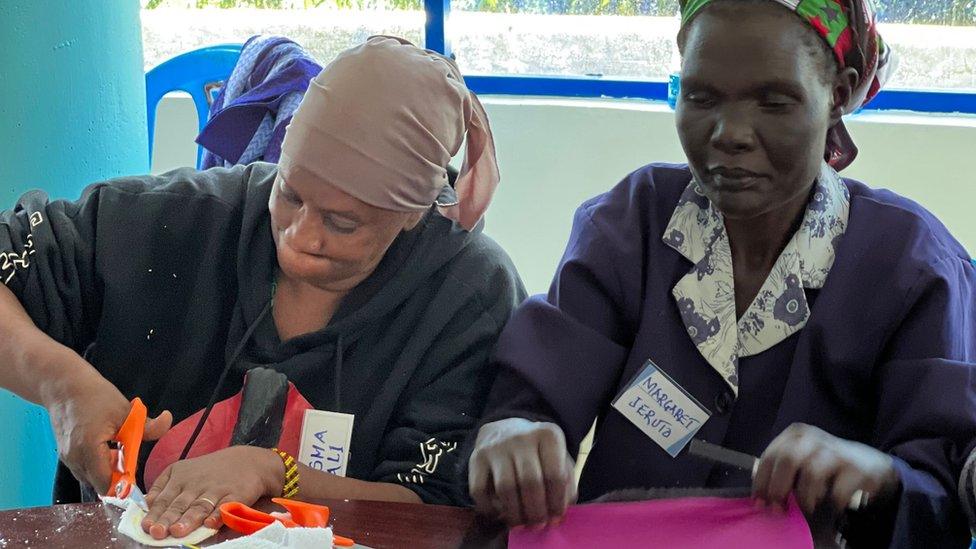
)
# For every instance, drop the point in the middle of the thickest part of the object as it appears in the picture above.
(249, 116)
(682, 523)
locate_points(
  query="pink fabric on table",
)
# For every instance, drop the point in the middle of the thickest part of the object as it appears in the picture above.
(672, 523)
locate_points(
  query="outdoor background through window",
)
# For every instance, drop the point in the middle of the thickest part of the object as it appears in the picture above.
(323, 27)
(935, 39)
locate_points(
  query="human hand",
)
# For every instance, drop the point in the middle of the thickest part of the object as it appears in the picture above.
(820, 468)
(85, 416)
(521, 472)
(189, 493)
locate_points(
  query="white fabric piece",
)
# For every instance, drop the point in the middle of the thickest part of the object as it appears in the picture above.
(276, 536)
(114, 501)
(130, 525)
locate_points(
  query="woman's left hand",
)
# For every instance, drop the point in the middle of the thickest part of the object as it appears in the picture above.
(189, 493)
(820, 468)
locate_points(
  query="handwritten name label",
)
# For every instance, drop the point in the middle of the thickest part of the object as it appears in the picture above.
(666, 413)
(326, 437)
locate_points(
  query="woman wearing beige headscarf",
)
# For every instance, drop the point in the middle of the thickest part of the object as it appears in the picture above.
(352, 271)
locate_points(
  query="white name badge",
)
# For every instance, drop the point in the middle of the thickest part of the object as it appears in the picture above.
(326, 437)
(657, 405)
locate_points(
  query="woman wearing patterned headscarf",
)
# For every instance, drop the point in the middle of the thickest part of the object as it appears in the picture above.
(351, 275)
(753, 299)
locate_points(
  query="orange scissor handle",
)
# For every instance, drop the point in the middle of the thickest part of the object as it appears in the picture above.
(311, 515)
(129, 438)
(305, 514)
(247, 520)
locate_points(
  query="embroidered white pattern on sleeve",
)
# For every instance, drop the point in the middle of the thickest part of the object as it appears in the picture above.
(11, 261)
(430, 452)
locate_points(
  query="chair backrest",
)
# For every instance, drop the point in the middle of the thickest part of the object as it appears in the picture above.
(194, 72)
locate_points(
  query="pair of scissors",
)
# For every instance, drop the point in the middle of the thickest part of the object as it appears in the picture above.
(719, 454)
(246, 520)
(126, 456)
(725, 456)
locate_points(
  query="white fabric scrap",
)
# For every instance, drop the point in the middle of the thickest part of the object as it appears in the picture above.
(276, 536)
(130, 525)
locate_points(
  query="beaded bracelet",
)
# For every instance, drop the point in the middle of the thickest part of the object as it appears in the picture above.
(290, 488)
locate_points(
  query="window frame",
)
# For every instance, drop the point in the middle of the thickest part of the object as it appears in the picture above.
(438, 14)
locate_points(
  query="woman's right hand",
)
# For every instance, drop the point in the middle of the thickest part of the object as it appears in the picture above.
(521, 472)
(86, 410)
(86, 414)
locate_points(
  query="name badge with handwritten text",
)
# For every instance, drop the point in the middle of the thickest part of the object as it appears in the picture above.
(326, 437)
(657, 405)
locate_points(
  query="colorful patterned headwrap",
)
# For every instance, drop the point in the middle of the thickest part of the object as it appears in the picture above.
(851, 32)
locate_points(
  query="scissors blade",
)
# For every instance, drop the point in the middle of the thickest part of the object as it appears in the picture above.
(720, 454)
(128, 439)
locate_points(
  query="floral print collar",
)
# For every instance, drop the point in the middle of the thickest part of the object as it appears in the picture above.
(705, 296)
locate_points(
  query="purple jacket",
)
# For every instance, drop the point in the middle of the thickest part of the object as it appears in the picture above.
(888, 356)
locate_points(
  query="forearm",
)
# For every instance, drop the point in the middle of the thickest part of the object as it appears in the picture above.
(924, 509)
(512, 396)
(318, 485)
(34, 366)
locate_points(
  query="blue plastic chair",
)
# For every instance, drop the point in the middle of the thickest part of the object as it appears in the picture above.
(195, 72)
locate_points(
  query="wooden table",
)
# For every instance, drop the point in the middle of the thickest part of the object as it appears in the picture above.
(374, 524)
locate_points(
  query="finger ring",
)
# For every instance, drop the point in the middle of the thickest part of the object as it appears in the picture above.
(859, 500)
(212, 504)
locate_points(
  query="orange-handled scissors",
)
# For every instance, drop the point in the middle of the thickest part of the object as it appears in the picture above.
(126, 456)
(246, 520)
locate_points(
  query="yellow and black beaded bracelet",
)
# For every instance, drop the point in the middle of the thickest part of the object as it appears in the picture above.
(290, 487)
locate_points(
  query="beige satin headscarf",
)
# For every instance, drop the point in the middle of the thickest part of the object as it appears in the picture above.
(381, 123)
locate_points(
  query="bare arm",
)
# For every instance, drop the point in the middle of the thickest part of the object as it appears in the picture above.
(35, 367)
(86, 410)
(320, 485)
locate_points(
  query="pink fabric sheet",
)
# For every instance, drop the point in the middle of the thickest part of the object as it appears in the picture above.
(673, 523)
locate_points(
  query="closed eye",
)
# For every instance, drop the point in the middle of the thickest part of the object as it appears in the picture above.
(699, 99)
(287, 194)
(776, 101)
(292, 199)
(339, 224)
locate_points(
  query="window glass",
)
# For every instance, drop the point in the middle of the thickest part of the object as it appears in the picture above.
(612, 38)
(323, 27)
(935, 39)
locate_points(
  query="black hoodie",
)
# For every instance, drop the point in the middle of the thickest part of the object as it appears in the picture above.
(155, 280)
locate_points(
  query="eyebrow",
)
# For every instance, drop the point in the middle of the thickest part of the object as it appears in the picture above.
(697, 83)
(778, 84)
(350, 215)
(775, 84)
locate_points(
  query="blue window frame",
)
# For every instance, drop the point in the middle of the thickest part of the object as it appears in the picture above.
(435, 31)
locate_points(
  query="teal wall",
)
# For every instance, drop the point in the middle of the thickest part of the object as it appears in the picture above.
(73, 111)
